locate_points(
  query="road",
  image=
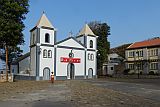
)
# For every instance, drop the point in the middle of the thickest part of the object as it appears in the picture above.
(148, 91)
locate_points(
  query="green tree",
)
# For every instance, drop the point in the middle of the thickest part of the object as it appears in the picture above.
(102, 30)
(12, 14)
(13, 53)
(120, 50)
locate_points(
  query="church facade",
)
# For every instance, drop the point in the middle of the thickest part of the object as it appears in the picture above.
(71, 58)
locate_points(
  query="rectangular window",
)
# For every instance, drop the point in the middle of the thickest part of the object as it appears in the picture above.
(140, 66)
(139, 53)
(131, 54)
(153, 52)
(156, 52)
(131, 66)
(154, 66)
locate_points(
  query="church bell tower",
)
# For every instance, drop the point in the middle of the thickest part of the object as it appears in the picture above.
(42, 41)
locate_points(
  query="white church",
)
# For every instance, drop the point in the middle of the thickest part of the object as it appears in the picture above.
(71, 58)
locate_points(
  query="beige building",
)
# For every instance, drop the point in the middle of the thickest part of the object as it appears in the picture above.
(144, 57)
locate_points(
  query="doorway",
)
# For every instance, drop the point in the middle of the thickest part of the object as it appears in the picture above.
(46, 73)
(70, 71)
(90, 73)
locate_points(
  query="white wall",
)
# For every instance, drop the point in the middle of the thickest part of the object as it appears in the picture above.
(33, 61)
(94, 42)
(32, 42)
(24, 65)
(42, 36)
(71, 43)
(46, 62)
(90, 63)
(61, 69)
(110, 71)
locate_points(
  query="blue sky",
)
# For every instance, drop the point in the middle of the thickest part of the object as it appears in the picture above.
(130, 20)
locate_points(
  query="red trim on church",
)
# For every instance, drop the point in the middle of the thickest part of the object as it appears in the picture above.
(71, 60)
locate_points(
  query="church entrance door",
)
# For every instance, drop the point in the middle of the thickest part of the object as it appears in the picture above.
(46, 74)
(70, 71)
(90, 73)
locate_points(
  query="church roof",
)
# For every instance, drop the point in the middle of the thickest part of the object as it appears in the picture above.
(73, 39)
(43, 21)
(86, 31)
(21, 58)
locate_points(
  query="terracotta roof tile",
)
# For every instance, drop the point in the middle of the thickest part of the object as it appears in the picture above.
(146, 43)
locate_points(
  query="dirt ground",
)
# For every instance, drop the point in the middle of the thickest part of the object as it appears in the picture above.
(88, 95)
(10, 89)
(77, 93)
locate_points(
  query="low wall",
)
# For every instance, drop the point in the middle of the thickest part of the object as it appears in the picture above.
(24, 77)
(3, 77)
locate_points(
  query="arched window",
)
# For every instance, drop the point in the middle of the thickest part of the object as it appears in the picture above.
(91, 44)
(88, 56)
(47, 38)
(92, 57)
(49, 54)
(44, 53)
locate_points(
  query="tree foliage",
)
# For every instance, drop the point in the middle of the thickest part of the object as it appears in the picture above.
(12, 14)
(120, 50)
(102, 30)
(13, 54)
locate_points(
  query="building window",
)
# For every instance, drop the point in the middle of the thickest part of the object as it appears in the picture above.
(44, 53)
(139, 53)
(131, 66)
(140, 66)
(92, 57)
(153, 52)
(131, 54)
(47, 38)
(49, 54)
(88, 56)
(91, 44)
(154, 66)
(111, 68)
(33, 39)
